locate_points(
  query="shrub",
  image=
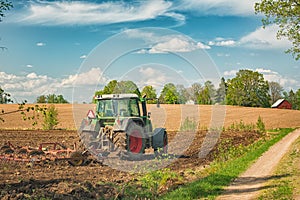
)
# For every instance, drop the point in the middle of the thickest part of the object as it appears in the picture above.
(260, 125)
(188, 125)
(50, 118)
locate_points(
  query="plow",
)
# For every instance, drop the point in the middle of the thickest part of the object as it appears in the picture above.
(120, 124)
(44, 153)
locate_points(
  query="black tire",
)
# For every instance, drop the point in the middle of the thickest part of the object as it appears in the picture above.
(76, 159)
(162, 151)
(119, 140)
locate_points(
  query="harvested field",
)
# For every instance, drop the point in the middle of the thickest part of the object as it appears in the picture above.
(168, 116)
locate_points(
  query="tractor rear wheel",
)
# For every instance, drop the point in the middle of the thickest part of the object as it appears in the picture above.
(162, 151)
(135, 142)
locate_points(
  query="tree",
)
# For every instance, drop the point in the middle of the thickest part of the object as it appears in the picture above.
(292, 98)
(4, 97)
(115, 87)
(169, 94)
(275, 91)
(248, 88)
(286, 14)
(4, 6)
(51, 98)
(150, 93)
(221, 92)
(127, 87)
(41, 99)
(207, 94)
(298, 99)
(194, 91)
(183, 94)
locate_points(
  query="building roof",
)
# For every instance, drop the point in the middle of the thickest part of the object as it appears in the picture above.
(277, 103)
(116, 96)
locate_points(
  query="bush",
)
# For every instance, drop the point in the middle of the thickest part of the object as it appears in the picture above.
(260, 125)
(50, 118)
(188, 125)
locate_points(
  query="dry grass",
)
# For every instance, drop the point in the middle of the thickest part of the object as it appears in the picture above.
(169, 116)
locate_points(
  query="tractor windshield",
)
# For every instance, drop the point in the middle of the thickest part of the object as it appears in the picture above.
(118, 107)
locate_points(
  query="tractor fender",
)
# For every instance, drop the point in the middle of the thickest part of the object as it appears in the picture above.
(158, 138)
(123, 124)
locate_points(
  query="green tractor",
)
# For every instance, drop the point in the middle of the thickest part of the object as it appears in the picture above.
(121, 124)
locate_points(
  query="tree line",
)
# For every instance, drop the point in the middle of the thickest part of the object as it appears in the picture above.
(248, 88)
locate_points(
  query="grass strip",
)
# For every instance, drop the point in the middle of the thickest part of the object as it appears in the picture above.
(222, 173)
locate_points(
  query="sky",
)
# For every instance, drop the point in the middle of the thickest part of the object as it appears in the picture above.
(74, 48)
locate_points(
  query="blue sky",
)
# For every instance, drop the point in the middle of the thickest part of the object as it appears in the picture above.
(60, 46)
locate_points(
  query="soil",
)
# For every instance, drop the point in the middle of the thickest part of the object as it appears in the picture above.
(59, 180)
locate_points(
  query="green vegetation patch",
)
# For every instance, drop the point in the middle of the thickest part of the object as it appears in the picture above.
(221, 173)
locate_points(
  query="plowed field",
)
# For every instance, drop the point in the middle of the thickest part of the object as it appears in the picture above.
(59, 180)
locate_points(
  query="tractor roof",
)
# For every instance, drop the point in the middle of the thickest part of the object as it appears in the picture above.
(116, 96)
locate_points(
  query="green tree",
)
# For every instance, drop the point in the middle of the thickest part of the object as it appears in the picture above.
(4, 97)
(298, 99)
(275, 91)
(286, 14)
(150, 93)
(50, 118)
(183, 94)
(41, 99)
(291, 97)
(221, 92)
(248, 88)
(4, 6)
(51, 98)
(194, 91)
(207, 94)
(127, 87)
(169, 94)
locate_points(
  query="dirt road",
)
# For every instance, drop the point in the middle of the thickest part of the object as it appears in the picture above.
(253, 181)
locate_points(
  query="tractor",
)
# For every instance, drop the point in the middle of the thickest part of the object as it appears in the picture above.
(121, 124)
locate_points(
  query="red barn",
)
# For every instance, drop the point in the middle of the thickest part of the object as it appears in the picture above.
(282, 104)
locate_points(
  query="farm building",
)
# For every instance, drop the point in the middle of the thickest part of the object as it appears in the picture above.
(282, 104)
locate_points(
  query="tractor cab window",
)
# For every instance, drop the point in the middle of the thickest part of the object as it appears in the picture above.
(134, 107)
(105, 108)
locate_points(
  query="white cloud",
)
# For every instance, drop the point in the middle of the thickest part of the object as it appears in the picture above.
(32, 85)
(40, 44)
(219, 7)
(221, 42)
(166, 43)
(83, 56)
(82, 13)
(230, 73)
(92, 77)
(29, 66)
(265, 38)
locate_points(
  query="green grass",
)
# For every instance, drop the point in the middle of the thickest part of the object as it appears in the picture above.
(222, 173)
